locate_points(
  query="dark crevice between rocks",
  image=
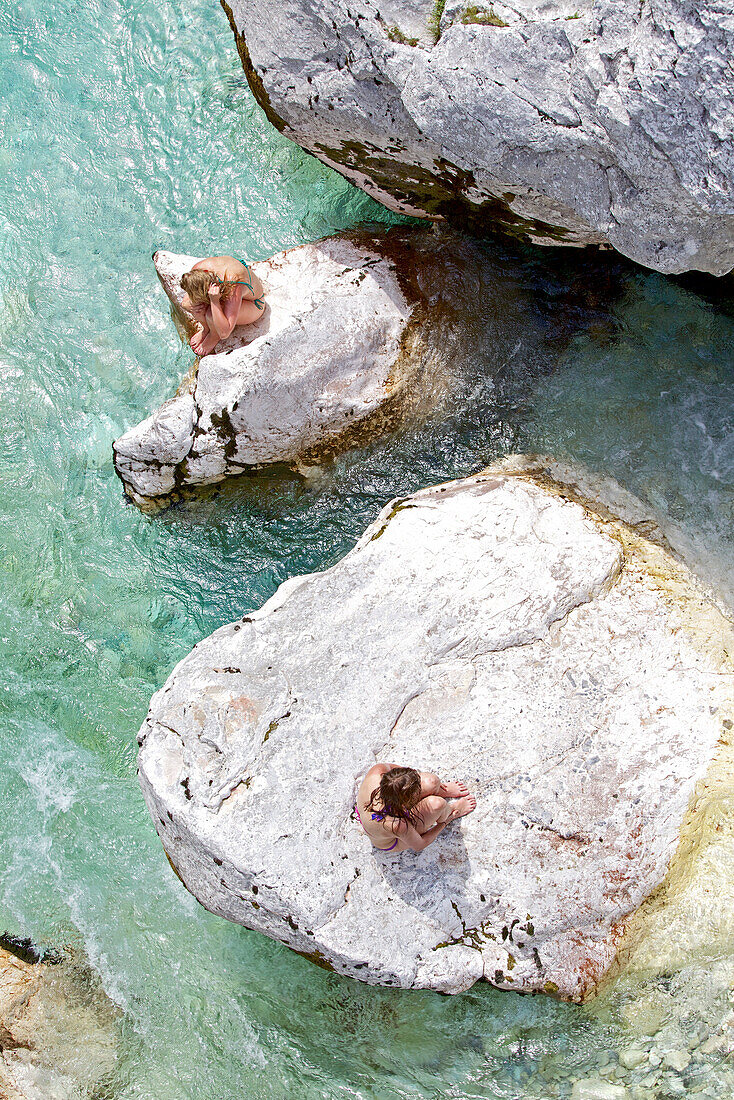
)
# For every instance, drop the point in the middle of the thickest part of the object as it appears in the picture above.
(225, 429)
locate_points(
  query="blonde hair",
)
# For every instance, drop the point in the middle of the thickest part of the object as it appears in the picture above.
(197, 283)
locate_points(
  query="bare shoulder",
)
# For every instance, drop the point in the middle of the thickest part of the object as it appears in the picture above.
(236, 269)
(374, 774)
(217, 264)
(370, 781)
(377, 771)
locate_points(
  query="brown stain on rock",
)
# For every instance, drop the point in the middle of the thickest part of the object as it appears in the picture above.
(439, 192)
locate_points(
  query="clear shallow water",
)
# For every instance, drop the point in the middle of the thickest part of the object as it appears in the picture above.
(127, 127)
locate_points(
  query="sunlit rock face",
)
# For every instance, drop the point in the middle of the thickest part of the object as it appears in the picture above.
(492, 629)
(355, 337)
(559, 122)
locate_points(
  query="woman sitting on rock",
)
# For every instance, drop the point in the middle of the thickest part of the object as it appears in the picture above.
(221, 292)
(401, 808)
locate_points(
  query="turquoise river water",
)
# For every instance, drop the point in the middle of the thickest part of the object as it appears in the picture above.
(128, 125)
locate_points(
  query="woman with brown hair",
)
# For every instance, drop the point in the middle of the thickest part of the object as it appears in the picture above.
(401, 808)
(221, 292)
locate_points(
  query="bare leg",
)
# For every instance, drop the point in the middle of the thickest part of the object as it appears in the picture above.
(430, 811)
(249, 313)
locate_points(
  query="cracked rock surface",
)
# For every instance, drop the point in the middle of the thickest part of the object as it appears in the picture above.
(340, 354)
(488, 629)
(571, 122)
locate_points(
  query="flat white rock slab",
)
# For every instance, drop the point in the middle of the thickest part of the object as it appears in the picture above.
(489, 630)
(332, 349)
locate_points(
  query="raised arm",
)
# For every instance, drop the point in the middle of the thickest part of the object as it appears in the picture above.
(224, 317)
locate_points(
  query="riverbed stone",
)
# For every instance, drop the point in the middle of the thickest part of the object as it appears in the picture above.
(59, 1032)
(679, 1060)
(561, 122)
(595, 1089)
(503, 629)
(632, 1057)
(355, 337)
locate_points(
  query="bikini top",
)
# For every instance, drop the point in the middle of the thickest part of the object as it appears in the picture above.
(241, 282)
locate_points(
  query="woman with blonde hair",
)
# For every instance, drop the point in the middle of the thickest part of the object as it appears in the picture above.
(221, 293)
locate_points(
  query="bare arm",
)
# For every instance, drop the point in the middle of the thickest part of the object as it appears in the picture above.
(224, 318)
(413, 839)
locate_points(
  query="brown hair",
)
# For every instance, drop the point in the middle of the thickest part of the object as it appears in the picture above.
(398, 794)
(197, 283)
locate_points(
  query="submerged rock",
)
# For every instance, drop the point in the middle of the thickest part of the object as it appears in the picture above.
(557, 122)
(494, 629)
(58, 1030)
(341, 353)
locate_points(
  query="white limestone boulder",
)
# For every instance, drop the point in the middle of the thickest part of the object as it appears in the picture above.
(338, 355)
(490, 629)
(560, 122)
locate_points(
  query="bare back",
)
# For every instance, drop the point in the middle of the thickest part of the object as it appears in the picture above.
(378, 828)
(230, 269)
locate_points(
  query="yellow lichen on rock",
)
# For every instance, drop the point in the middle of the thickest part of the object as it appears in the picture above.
(690, 917)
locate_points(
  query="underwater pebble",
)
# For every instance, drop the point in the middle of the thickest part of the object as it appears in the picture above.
(631, 1058)
(650, 1080)
(594, 1089)
(674, 1085)
(646, 1015)
(677, 1060)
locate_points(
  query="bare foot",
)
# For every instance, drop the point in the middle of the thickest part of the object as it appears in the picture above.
(453, 790)
(201, 344)
(209, 344)
(197, 339)
(463, 806)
